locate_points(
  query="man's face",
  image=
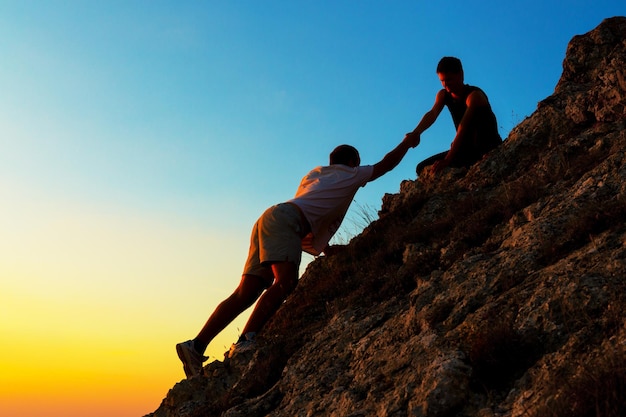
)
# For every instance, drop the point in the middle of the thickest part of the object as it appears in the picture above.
(452, 82)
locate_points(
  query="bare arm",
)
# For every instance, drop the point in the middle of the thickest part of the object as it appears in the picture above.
(393, 158)
(431, 116)
(475, 100)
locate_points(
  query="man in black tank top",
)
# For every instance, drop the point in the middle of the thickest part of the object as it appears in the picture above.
(475, 123)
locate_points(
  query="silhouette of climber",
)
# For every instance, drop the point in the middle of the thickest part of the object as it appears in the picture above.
(475, 122)
(306, 222)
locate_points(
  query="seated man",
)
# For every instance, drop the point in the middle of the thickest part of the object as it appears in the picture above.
(475, 123)
(306, 222)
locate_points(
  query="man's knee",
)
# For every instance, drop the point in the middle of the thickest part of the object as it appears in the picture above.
(286, 276)
(250, 288)
(288, 285)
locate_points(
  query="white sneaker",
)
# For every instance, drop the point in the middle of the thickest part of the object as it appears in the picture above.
(191, 358)
(245, 343)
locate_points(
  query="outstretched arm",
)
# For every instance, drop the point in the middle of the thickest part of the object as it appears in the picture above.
(431, 116)
(393, 158)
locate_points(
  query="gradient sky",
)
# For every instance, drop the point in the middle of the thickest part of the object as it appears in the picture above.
(140, 140)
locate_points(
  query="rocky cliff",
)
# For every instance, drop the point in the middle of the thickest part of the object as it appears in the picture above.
(494, 291)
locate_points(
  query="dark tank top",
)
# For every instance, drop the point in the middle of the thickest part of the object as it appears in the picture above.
(485, 136)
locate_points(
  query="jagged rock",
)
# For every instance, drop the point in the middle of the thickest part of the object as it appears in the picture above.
(493, 291)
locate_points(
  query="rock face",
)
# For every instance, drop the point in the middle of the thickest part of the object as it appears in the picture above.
(494, 291)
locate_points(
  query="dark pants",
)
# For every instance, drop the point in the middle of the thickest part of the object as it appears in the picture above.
(430, 161)
(465, 157)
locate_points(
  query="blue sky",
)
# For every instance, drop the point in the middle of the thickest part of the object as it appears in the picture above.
(140, 140)
(227, 104)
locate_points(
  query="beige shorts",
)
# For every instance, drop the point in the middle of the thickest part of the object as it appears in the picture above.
(276, 237)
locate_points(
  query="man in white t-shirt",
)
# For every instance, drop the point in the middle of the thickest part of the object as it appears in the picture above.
(307, 222)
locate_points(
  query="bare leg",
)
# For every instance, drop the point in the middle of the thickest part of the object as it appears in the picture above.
(248, 291)
(285, 281)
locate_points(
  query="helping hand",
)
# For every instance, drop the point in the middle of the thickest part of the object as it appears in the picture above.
(413, 139)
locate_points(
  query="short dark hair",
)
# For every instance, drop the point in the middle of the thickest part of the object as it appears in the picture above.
(344, 154)
(449, 64)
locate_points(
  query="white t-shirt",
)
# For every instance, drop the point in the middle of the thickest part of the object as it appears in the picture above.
(324, 196)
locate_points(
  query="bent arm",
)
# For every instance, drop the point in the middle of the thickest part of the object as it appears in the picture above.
(393, 158)
(474, 101)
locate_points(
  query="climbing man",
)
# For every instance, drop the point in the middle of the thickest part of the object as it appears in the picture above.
(307, 222)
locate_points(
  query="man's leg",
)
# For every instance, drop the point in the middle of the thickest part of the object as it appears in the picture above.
(248, 291)
(429, 161)
(285, 281)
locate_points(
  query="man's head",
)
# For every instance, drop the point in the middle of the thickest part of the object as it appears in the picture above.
(450, 72)
(345, 155)
(449, 64)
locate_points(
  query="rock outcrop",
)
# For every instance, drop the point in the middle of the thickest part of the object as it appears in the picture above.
(494, 291)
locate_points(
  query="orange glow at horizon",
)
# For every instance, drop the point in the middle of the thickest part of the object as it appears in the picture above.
(91, 307)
